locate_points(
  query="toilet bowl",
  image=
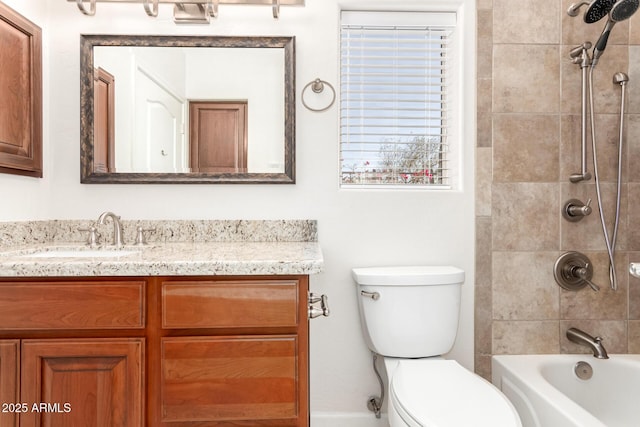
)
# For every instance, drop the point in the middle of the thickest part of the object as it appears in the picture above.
(409, 316)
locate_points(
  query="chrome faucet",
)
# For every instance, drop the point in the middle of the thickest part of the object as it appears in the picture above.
(117, 227)
(583, 338)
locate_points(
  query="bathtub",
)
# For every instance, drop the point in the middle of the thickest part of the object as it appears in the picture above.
(546, 391)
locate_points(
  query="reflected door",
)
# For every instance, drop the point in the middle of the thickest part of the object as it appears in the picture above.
(159, 128)
(218, 136)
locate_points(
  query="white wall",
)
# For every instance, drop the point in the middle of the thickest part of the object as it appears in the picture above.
(355, 228)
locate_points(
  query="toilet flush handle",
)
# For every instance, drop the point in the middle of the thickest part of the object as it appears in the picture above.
(373, 295)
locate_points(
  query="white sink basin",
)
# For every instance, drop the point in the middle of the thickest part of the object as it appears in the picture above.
(80, 253)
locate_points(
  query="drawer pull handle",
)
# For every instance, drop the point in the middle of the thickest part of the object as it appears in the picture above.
(315, 311)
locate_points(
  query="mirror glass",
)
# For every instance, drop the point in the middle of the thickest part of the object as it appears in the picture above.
(172, 109)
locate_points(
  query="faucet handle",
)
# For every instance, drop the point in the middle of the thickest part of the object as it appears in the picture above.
(93, 237)
(583, 273)
(140, 237)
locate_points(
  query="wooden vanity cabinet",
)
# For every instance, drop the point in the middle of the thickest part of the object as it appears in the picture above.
(175, 351)
(72, 352)
(234, 352)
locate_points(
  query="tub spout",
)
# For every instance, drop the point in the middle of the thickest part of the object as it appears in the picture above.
(583, 338)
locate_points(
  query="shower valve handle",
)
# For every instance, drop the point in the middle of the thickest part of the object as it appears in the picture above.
(574, 210)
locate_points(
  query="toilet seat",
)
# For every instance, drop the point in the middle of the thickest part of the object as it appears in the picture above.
(441, 393)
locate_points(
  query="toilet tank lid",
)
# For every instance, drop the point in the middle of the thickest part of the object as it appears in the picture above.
(418, 275)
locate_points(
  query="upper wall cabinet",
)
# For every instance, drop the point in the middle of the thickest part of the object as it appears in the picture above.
(187, 109)
(20, 94)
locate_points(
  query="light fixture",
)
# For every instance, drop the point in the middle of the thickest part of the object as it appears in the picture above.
(191, 11)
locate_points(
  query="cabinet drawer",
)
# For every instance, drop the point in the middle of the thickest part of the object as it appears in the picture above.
(241, 304)
(232, 379)
(72, 305)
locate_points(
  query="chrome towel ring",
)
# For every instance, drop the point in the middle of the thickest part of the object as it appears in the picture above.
(317, 86)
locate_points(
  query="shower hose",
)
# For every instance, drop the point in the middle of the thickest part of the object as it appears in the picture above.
(609, 242)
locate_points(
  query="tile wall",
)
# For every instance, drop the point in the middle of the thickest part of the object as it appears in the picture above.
(527, 147)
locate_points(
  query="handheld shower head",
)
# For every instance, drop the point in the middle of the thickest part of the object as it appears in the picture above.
(597, 10)
(621, 11)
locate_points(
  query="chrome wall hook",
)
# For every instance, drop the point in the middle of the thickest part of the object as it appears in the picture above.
(276, 9)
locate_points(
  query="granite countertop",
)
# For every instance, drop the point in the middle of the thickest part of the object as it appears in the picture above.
(175, 248)
(169, 259)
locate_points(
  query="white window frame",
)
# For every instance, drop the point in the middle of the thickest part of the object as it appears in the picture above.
(461, 71)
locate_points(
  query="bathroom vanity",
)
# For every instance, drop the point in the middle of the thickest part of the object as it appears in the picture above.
(205, 334)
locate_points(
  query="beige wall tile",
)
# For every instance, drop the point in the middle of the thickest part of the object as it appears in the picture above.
(607, 128)
(527, 21)
(633, 90)
(634, 337)
(526, 337)
(483, 366)
(526, 148)
(484, 4)
(633, 242)
(587, 234)
(606, 95)
(483, 181)
(527, 71)
(605, 304)
(484, 125)
(526, 78)
(484, 43)
(523, 286)
(525, 217)
(632, 147)
(483, 291)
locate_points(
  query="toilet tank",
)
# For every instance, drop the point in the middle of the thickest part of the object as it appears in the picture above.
(409, 312)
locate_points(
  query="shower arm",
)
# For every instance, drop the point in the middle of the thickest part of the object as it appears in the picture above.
(580, 56)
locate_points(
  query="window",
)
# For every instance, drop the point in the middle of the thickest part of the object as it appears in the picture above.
(396, 99)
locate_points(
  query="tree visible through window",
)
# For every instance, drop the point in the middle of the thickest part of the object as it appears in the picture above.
(394, 105)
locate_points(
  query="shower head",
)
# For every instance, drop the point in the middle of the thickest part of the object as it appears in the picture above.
(621, 10)
(597, 10)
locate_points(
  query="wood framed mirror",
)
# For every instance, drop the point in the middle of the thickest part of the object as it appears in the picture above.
(187, 109)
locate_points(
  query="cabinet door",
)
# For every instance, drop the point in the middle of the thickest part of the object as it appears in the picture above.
(9, 377)
(83, 382)
(232, 381)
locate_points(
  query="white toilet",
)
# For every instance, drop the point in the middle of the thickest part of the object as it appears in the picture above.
(410, 317)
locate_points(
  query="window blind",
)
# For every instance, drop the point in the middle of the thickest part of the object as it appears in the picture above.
(394, 98)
